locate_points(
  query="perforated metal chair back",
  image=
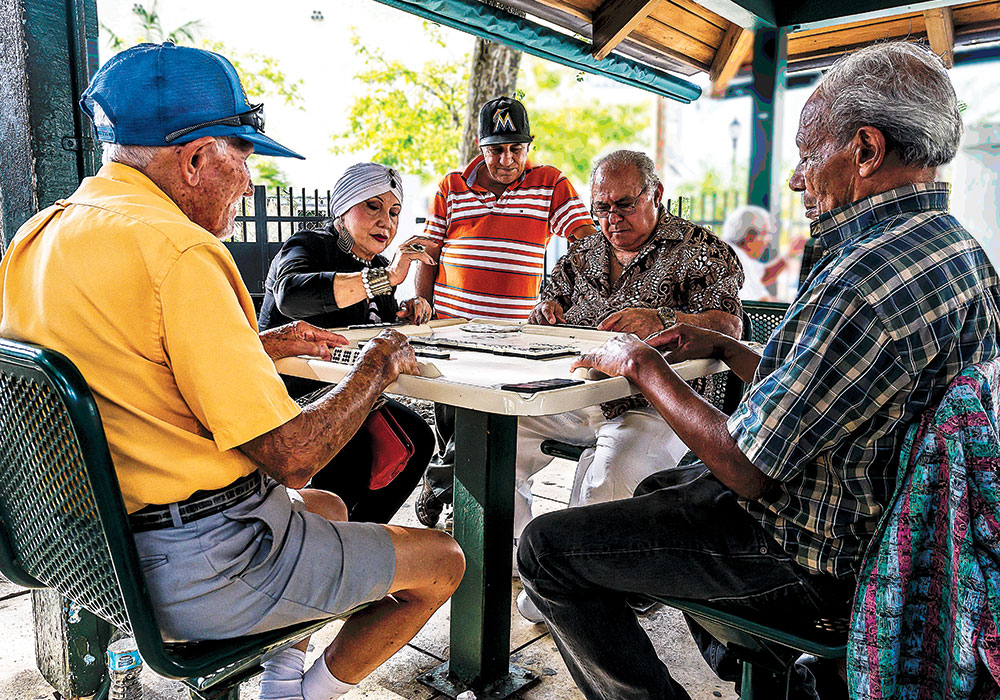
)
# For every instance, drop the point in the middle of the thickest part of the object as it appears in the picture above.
(58, 492)
(63, 523)
(765, 317)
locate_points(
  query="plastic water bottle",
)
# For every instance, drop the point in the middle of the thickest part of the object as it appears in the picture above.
(124, 667)
(466, 695)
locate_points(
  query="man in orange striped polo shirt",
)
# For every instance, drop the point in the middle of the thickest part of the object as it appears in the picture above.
(492, 222)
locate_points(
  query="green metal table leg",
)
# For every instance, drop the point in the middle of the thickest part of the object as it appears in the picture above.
(485, 449)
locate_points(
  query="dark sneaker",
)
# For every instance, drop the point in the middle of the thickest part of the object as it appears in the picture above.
(428, 506)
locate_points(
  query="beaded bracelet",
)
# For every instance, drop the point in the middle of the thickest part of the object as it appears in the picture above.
(364, 281)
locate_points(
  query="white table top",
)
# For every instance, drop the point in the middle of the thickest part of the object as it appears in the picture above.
(472, 379)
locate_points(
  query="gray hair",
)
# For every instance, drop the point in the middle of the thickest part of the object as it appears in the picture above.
(138, 157)
(616, 160)
(901, 89)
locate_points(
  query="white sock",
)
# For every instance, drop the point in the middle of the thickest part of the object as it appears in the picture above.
(320, 684)
(282, 679)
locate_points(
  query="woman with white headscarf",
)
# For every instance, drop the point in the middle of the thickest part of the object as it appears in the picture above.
(335, 276)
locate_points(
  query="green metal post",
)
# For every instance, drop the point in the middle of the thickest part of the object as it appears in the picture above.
(69, 644)
(45, 145)
(770, 60)
(484, 525)
(49, 48)
(485, 451)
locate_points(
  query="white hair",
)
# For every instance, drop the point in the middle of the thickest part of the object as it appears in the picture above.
(138, 157)
(616, 160)
(742, 219)
(901, 89)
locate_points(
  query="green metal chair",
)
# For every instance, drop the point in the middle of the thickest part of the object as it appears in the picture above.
(762, 646)
(63, 524)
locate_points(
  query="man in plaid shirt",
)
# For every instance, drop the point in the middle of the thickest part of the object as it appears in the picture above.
(775, 521)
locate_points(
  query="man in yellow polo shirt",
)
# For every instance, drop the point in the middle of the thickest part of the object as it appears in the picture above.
(128, 277)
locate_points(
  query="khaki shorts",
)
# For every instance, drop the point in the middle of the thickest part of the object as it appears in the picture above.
(262, 564)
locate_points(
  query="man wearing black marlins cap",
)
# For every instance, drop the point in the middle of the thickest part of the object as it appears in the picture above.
(491, 223)
(129, 278)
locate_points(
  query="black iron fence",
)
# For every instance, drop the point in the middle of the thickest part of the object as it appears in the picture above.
(266, 221)
(274, 214)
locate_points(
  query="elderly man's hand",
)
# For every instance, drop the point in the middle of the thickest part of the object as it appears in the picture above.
(300, 338)
(641, 322)
(622, 356)
(389, 355)
(416, 310)
(547, 313)
(684, 342)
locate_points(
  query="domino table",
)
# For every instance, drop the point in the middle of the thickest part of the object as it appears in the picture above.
(472, 359)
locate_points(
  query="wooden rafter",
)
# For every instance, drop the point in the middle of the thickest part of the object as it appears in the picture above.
(733, 50)
(941, 33)
(613, 21)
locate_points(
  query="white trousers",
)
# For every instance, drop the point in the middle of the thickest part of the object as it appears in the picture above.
(621, 452)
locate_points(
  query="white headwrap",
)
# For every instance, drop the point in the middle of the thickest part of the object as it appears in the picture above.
(362, 181)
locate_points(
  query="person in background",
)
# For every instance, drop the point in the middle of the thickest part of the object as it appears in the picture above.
(750, 230)
(490, 224)
(332, 277)
(128, 277)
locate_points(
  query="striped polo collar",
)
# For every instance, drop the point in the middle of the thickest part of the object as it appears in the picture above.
(472, 170)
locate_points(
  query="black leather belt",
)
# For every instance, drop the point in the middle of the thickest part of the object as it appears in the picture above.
(199, 505)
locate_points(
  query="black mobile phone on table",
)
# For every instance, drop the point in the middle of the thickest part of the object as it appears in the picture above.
(541, 385)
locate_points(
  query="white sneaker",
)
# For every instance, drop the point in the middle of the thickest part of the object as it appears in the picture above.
(527, 608)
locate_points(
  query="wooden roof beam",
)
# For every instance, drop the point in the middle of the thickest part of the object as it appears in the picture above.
(614, 20)
(732, 52)
(941, 33)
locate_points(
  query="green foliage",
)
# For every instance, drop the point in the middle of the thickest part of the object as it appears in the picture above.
(260, 74)
(151, 29)
(410, 119)
(571, 135)
(265, 171)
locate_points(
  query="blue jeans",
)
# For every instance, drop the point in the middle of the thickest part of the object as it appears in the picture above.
(688, 538)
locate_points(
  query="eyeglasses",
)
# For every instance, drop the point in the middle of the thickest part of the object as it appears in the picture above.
(254, 118)
(603, 211)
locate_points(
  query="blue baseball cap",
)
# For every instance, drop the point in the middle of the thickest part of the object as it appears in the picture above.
(163, 95)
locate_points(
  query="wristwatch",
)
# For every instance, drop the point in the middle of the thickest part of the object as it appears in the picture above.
(667, 316)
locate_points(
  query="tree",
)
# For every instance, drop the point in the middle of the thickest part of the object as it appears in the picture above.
(493, 74)
(410, 119)
(413, 119)
(259, 73)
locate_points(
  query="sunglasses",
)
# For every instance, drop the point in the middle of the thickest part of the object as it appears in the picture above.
(254, 117)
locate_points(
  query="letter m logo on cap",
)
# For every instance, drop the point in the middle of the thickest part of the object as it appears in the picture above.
(502, 121)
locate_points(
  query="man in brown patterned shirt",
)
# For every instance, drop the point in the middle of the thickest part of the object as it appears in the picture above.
(646, 272)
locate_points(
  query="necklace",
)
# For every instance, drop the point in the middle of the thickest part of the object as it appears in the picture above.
(345, 241)
(366, 263)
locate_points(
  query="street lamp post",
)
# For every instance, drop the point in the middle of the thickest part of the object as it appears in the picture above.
(734, 134)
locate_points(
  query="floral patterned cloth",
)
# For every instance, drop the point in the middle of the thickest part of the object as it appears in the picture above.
(925, 616)
(682, 265)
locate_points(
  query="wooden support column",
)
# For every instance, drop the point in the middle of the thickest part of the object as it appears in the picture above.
(941, 33)
(46, 143)
(732, 52)
(770, 60)
(613, 21)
